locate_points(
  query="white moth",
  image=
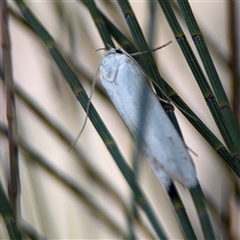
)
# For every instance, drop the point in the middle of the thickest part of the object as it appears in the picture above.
(141, 110)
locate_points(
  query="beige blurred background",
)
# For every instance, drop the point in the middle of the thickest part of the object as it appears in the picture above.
(49, 206)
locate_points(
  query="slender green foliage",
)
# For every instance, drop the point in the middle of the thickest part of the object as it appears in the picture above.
(211, 72)
(181, 214)
(8, 215)
(186, 111)
(6, 58)
(199, 75)
(81, 95)
(65, 137)
(202, 212)
(219, 107)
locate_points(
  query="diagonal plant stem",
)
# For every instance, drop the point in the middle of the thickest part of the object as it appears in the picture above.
(149, 64)
(100, 24)
(65, 137)
(204, 131)
(181, 213)
(67, 181)
(199, 76)
(152, 18)
(174, 197)
(197, 123)
(191, 116)
(201, 208)
(139, 38)
(81, 95)
(211, 72)
(53, 126)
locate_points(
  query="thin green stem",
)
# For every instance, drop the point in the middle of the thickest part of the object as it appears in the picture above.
(13, 185)
(141, 44)
(234, 25)
(198, 73)
(67, 181)
(234, 164)
(81, 95)
(211, 72)
(100, 24)
(181, 213)
(8, 215)
(201, 208)
(62, 134)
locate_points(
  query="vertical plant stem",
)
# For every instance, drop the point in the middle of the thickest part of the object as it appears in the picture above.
(152, 17)
(201, 208)
(235, 54)
(13, 184)
(141, 43)
(181, 213)
(100, 23)
(8, 215)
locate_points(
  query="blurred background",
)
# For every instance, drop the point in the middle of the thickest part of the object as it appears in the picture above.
(80, 193)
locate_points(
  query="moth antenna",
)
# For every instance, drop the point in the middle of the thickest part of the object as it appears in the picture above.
(87, 110)
(168, 98)
(190, 150)
(141, 69)
(165, 101)
(100, 49)
(153, 50)
(105, 49)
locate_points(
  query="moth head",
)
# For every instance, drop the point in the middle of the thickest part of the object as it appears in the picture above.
(110, 64)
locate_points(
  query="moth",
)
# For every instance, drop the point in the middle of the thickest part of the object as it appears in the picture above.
(127, 87)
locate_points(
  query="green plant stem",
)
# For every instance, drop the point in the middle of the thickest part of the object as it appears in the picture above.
(181, 214)
(198, 73)
(204, 131)
(8, 215)
(100, 24)
(13, 182)
(141, 43)
(66, 139)
(81, 95)
(211, 72)
(234, 164)
(201, 208)
(67, 181)
(234, 25)
(154, 74)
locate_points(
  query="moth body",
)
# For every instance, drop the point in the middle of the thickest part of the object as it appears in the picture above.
(142, 112)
